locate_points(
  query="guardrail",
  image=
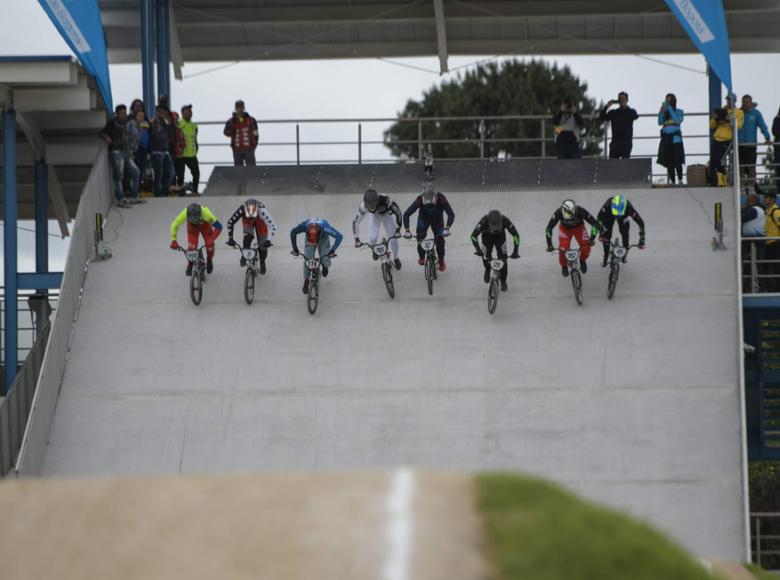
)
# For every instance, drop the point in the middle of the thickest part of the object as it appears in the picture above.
(96, 198)
(759, 274)
(765, 540)
(364, 135)
(15, 406)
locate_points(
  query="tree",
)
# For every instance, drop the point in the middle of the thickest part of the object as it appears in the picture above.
(509, 88)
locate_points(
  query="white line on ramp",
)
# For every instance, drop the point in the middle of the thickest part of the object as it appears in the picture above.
(399, 526)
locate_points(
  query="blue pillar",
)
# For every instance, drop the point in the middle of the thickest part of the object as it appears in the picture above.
(164, 49)
(147, 55)
(716, 99)
(41, 216)
(9, 238)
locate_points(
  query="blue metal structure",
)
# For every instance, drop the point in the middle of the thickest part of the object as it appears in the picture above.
(163, 26)
(714, 89)
(41, 216)
(147, 54)
(10, 202)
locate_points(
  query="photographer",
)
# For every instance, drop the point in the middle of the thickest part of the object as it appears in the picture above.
(671, 153)
(720, 124)
(568, 126)
(622, 124)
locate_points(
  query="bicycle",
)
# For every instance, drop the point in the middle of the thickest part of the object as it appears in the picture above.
(431, 261)
(573, 264)
(251, 257)
(314, 264)
(198, 275)
(495, 280)
(382, 253)
(617, 255)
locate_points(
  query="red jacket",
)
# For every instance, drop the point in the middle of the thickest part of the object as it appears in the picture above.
(242, 132)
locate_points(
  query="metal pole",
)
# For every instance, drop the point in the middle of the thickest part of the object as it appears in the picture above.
(753, 269)
(164, 49)
(758, 540)
(544, 136)
(297, 144)
(482, 138)
(606, 140)
(419, 140)
(10, 202)
(360, 144)
(147, 55)
(41, 217)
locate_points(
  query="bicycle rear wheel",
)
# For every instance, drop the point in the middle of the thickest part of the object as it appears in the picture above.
(249, 286)
(576, 282)
(429, 274)
(196, 288)
(387, 274)
(493, 295)
(313, 299)
(613, 278)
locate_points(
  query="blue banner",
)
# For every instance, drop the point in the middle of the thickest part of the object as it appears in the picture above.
(705, 23)
(79, 23)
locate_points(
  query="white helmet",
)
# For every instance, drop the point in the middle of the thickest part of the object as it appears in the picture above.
(568, 208)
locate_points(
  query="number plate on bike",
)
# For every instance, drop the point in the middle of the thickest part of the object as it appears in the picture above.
(249, 254)
(496, 264)
(192, 255)
(380, 250)
(619, 251)
(426, 245)
(571, 255)
(313, 263)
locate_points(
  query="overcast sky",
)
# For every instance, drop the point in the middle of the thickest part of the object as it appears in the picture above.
(372, 88)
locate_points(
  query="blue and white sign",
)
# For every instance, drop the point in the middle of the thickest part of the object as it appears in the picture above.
(80, 24)
(705, 23)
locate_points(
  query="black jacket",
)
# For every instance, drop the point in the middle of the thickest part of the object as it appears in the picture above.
(622, 122)
(117, 132)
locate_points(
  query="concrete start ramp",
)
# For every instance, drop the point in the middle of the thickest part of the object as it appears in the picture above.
(633, 402)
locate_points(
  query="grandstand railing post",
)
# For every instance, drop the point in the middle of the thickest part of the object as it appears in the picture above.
(297, 144)
(360, 144)
(543, 132)
(419, 140)
(482, 138)
(753, 269)
(606, 140)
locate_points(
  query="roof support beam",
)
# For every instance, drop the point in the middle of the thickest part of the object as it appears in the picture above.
(441, 35)
(176, 58)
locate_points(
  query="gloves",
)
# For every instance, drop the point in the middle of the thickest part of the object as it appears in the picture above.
(358, 243)
(592, 243)
(479, 252)
(266, 244)
(231, 242)
(331, 254)
(641, 243)
(445, 232)
(397, 234)
(407, 235)
(603, 239)
(175, 245)
(550, 248)
(515, 255)
(295, 252)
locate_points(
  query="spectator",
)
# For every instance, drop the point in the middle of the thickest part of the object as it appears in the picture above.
(776, 156)
(135, 106)
(160, 146)
(133, 145)
(622, 124)
(141, 125)
(753, 217)
(189, 154)
(753, 120)
(671, 153)
(116, 137)
(568, 126)
(242, 130)
(722, 136)
(772, 230)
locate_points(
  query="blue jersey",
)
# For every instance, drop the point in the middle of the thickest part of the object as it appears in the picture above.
(327, 230)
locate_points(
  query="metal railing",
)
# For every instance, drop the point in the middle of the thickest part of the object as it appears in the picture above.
(759, 274)
(361, 135)
(765, 539)
(15, 406)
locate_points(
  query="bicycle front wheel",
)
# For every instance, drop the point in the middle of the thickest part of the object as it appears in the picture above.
(429, 273)
(313, 299)
(613, 278)
(249, 286)
(576, 282)
(387, 274)
(196, 288)
(493, 295)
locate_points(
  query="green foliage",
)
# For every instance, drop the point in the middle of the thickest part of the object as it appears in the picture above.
(508, 88)
(536, 530)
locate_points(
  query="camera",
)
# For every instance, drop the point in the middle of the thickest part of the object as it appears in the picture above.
(720, 114)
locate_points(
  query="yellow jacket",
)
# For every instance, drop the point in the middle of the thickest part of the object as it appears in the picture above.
(182, 217)
(772, 223)
(723, 129)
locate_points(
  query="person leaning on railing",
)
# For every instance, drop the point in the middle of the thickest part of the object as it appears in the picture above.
(772, 247)
(753, 220)
(671, 153)
(722, 135)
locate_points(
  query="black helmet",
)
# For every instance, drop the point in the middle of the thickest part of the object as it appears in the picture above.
(429, 195)
(495, 221)
(371, 200)
(251, 207)
(194, 214)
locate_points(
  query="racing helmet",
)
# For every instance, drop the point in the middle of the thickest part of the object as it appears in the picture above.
(371, 200)
(194, 214)
(313, 233)
(251, 207)
(429, 195)
(619, 205)
(495, 221)
(568, 208)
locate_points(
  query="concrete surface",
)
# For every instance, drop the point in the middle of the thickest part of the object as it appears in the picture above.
(348, 526)
(633, 402)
